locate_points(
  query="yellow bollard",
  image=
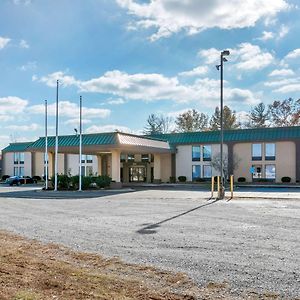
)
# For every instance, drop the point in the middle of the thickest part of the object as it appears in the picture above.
(231, 185)
(212, 186)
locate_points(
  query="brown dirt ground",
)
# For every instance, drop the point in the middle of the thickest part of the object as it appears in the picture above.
(30, 270)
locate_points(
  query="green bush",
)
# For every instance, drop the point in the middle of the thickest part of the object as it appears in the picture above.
(182, 178)
(86, 182)
(63, 181)
(4, 177)
(103, 181)
(74, 181)
(172, 179)
(241, 179)
(286, 179)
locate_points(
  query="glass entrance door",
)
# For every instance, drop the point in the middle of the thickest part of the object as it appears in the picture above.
(137, 174)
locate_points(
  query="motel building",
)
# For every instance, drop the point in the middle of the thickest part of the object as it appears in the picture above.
(255, 154)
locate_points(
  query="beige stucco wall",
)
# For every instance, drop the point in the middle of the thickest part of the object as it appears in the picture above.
(165, 167)
(39, 164)
(8, 167)
(285, 160)
(184, 161)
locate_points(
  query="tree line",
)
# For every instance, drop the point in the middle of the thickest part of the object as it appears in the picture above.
(277, 114)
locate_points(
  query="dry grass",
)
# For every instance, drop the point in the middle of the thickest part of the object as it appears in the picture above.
(30, 270)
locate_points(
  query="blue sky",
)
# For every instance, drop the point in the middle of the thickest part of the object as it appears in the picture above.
(131, 58)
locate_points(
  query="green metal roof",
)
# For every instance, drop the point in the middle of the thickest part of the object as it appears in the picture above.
(238, 135)
(73, 140)
(17, 147)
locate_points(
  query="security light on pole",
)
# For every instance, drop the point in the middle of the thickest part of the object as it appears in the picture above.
(220, 68)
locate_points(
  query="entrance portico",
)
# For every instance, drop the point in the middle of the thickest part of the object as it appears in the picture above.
(124, 157)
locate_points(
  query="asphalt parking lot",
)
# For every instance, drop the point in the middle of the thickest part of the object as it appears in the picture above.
(252, 244)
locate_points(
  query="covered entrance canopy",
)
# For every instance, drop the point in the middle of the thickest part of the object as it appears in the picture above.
(107, 147)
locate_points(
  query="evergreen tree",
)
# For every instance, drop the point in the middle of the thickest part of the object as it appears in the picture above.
(229, 119)
(259, 116)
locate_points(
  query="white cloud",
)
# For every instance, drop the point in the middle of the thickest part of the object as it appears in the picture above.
(3, 42)
(242, 116)
(31, 127)
(289, 88)
(107, 128)
(282, 72)
(140, 86)
(293, 54)
(198, 71)
(24, 44)
(50, 80)
(282, 82)
(11, 106)
(266, 35)
(117, 101)
(246, 56)
(31, 65)
(69, 109)
(238, 96)
(251, 57)
(284, 30)
(193, 16)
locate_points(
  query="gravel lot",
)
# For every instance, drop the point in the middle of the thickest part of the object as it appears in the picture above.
(251, 244)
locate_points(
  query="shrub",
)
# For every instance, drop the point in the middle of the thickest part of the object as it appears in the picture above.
(241, 179)
(103, 181)
(37, 178)
(63, 181)
(4, 177)
(199, 179)
(172, 179)
(86, 182)
(182, 178)
(286, 179)
(74, 181)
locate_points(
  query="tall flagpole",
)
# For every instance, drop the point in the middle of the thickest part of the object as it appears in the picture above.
(56, 141)
(46, 146)
(80, 143)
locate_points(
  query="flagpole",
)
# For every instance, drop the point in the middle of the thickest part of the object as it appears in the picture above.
(80, 143)
(46, 145)
(56, 141)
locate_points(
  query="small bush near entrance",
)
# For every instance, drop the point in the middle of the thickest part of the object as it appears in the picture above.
(241, 179)
(172, 179)
(286, 179)
(37, 178)
(4, 177)
(182, 178)
(72, 182)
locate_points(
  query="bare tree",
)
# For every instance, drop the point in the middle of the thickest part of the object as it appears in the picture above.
(229, 119)
(216, 163)
(191, 121)
(285, 113)
(259, 116)
(158, 124)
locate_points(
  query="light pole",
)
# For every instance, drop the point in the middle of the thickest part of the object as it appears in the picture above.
(220, 67)
(80, 144)
(46, 145)
(56, 141)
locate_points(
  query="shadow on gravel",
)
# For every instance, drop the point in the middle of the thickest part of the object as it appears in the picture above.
(65, 195)
(152, 228)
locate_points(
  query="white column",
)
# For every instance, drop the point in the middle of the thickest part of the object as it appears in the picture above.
(115, 165)
(157, 168)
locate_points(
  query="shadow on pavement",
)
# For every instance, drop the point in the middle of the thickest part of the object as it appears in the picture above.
(151, 228)
(40, 194)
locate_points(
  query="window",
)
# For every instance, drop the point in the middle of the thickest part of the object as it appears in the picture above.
(145, 157)
(207, 171)
(16, 171)
(82, 170)
(196, 172)
(207, 153)
(21, 158)
(83, 157)
(89, 171)
(89, 159)
(46, 157)
(270, 152)
(21, 171)
(16, 158)
(256, 152)
(257, 172)
(195, 153)
(130, 157)
(270, 171)
(122, 157)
